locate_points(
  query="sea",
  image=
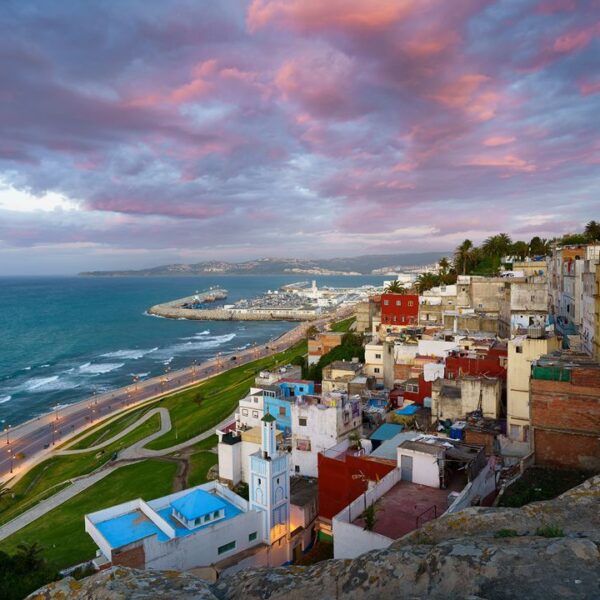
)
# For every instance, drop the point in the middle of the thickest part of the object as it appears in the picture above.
(64, 338)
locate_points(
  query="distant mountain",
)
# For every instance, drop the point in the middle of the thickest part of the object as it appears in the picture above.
(358, 265)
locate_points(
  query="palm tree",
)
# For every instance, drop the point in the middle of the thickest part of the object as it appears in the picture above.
(395, 287)
(497, 246)
(444, 265)
(425, 281)
(592, 231)
(30, 553)
(462, 255)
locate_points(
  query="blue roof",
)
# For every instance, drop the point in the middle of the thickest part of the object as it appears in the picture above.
(128, 528)
(387, 431)
(389, 448)
(197, 504)
(411, 409)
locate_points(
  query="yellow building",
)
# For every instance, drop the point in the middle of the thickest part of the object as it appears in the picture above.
(522, 350)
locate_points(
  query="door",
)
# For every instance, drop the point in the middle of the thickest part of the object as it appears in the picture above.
(406, 467)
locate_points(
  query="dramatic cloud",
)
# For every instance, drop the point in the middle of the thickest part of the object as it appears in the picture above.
(180, 130)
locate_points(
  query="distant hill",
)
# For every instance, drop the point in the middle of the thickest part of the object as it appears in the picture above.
(358, 265)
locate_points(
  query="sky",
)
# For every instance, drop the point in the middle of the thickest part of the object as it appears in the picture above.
(144, 132)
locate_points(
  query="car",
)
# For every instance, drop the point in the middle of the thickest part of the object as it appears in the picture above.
(233, 358)
(46, 446)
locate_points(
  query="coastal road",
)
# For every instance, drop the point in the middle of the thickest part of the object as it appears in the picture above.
(21, 445)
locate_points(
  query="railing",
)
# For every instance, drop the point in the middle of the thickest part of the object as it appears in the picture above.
(420, 518)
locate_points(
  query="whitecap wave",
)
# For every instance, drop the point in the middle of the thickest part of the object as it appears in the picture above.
(129, 354)
(48, 384)
(197, 335)
(211, 342)
(168, 361)
(4, 399)
(147, 314)
(99, 368)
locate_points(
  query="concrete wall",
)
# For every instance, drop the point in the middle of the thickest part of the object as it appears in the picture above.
(350, 541)
(426, 470)
(482, 486)
(522, 351)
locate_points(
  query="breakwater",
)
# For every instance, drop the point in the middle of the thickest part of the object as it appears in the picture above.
(172, 311)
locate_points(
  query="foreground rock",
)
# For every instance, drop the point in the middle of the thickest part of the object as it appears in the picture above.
(460, 556)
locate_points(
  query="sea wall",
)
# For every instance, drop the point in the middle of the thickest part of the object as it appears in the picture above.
(172, 311)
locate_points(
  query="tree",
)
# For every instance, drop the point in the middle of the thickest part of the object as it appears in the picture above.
(497, 246)
(592, 231)
(539, 247)
(369, 516)
(573, 239)
(444, 265)
(425, 281)
(31, 554)
(395, 287)
(520, 250)
(462, 256)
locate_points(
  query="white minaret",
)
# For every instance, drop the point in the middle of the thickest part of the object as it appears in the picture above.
(270, 484)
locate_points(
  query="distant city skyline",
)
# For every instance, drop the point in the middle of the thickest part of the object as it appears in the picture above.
(139, 133)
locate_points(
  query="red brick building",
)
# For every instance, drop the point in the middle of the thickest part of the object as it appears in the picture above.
(400, 310)
(417, 389)
(565, 411)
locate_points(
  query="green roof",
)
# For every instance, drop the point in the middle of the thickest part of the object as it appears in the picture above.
(268, 418)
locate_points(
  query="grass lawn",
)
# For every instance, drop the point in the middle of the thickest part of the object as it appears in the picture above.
(39, 482)
(105, 432)
(343, 326)
(540, 484)
(199, 408)
(200, 463)
(61, 531)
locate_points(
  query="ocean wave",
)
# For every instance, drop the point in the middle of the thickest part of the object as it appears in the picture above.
(99, 368)
(213, 342)
(48, 384)
(197, 335)
(168, 361)
(129, 354)
(4, 399)
(147, 314)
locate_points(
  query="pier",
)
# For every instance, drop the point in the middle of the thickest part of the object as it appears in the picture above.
(185, 308)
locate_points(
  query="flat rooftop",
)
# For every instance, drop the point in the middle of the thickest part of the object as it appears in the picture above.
(408, 505)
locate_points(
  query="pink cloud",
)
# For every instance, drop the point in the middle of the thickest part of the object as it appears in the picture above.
(575, 40)
(508, 161)
(499, 140)
(333, 14)
(589, 88)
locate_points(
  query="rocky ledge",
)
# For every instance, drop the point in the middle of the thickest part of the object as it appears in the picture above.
(544, 550)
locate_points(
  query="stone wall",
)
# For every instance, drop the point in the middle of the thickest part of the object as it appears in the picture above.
(225, 314)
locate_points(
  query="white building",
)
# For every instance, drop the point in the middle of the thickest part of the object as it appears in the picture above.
(374, 357)
(318, 424)
(251, 409)
(206, 526)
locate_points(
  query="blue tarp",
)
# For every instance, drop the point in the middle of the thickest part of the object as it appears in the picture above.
(387, 431)
(408, 410)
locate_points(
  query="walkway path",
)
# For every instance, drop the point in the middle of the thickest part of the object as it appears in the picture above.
(165, 426)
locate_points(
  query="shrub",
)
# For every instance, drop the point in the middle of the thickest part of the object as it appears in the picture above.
(550, 531)
(505, 533)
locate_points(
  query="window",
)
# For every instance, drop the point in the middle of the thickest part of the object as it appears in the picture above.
(410, 302)
(226, 548)
(519, 349)
(386, 302)
(376, 369)
(216, 514)
(297, 469)
(398, 302)
(515, 432)
(255, 414)
(282, 411)
(206, 518)
(302, 422)
(525, 433)
(252, 536)
(245, 412)
(378, 356)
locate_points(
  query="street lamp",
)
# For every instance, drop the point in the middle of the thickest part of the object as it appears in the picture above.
(10, 457)
(7, 430)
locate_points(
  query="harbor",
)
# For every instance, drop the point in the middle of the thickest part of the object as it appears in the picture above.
(292, 302)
